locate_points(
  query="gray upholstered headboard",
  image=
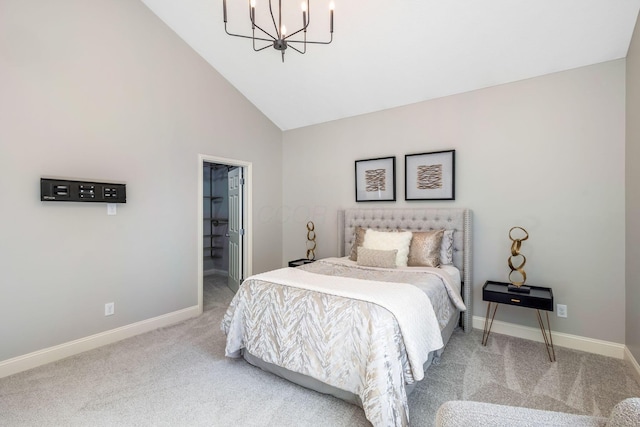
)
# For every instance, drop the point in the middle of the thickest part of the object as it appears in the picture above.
(417, 220)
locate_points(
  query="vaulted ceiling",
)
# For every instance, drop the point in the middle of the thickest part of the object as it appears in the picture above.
(397, 52)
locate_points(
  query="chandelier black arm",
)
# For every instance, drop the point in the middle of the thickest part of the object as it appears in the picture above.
(304, 49)
(298, 50)
(264, 32)
(273, 19)
(253, 23)
(280, 41)
(262, 48)
(303, 28)
(224, 10)
(249, 37)
(293, 34)
(307, 41)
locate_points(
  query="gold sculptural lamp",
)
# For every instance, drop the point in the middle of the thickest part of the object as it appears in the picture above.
(517, 276)
(311, 241)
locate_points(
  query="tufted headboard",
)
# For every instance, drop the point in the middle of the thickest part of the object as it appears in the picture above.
(417, 220)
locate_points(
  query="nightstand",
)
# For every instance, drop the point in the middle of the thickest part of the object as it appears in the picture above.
(301, 261)
(539, 298)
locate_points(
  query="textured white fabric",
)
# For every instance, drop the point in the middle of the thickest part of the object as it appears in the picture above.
(409, 305)
(449, 274)
(454, 273)
(625, 413)
(423, 219)
(446, 248)
(352, 345)
(387, 241)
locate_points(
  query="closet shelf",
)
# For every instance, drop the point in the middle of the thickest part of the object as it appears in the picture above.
(214, 204)
(220, 220)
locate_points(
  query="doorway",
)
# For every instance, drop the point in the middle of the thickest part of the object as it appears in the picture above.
(224, 218)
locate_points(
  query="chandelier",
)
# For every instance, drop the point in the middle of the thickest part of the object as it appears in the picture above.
(279, 39)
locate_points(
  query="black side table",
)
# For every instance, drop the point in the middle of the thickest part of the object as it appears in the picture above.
(539, 298)
(301, 261)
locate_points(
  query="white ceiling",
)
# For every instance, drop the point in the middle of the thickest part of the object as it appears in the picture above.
(397, 52)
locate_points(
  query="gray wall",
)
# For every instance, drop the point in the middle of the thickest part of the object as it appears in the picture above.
(546, 154)
(103, 90)
(633, 196)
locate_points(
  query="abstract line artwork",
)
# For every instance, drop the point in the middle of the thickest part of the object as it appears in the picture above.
(375, 179)
(429, 177)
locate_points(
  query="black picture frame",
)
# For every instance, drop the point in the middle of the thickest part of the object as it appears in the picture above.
(430, 176)
(376, 180)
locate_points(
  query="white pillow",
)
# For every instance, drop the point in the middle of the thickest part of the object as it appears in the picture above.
(446, 248)
(388, 241)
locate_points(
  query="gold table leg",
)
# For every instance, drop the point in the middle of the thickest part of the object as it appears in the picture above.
(548, 340)
(488, 324)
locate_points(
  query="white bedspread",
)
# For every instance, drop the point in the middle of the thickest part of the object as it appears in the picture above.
(408, 304)
(367, 337)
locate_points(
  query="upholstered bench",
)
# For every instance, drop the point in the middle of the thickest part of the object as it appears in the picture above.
(467, 414)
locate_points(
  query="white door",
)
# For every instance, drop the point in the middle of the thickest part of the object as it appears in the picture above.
(236, 230)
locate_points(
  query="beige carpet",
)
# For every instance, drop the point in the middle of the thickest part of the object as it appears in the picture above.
(178, 376)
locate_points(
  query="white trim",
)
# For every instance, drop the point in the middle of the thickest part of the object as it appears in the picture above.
(632, 361)
(71, 348)
(575, 342)
(247, 252)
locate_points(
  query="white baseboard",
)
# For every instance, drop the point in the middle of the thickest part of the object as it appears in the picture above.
(52, 354)
(632, 361)
(575, 342)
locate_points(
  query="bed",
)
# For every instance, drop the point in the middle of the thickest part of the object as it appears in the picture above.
(362, 333)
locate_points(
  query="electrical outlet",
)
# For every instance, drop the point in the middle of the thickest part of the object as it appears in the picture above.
(562, 310)
(109, 309)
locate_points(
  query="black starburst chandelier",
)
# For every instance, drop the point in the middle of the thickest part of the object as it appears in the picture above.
(279, 39)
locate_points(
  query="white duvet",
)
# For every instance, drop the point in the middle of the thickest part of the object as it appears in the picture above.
(368, 337)
(408, 304)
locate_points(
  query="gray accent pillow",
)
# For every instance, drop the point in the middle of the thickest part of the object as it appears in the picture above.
(377, 258)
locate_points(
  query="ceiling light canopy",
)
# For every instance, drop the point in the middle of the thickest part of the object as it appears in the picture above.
(279, 39)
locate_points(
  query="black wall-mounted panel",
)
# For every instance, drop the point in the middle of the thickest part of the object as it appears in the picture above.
(58, 190)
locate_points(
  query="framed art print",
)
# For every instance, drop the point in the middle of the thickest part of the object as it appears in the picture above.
(430, 176)
(376, 180)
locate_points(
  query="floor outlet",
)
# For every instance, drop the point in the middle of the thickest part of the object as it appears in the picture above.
(562, 310)
(109, 309)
